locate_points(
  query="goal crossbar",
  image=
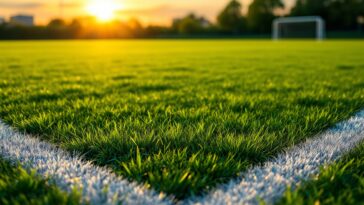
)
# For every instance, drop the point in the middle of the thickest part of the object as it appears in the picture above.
(320, 25)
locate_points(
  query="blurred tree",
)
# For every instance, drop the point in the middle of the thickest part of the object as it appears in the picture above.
(136, 27)
(191, 24)
(231, 18)
(157, 31)
(75, 28)
(56, 23)
(76, 24)
(57, 28)
(261, 14)
(339, 14)
(309, 7)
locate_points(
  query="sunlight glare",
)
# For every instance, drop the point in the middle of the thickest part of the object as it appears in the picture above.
(104, 10)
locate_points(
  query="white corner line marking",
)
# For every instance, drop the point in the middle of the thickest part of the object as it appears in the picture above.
(99, 185)
(269, 181)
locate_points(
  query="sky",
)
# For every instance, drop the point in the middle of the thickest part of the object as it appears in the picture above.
(148, 11)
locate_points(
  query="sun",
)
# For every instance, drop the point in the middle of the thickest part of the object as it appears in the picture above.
(103, 10)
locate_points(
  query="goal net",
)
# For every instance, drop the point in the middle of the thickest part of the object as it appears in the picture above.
(299, 27)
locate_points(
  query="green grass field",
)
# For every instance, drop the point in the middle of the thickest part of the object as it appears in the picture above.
(181, 116)
(20, 187)
(340, 183)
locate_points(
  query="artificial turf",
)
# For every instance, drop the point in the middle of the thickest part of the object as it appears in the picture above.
(21, 187)
(340, 183)
(181, 116)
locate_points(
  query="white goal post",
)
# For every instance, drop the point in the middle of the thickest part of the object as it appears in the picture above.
(319, 25)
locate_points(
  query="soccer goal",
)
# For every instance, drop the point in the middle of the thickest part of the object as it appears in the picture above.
(299, 27)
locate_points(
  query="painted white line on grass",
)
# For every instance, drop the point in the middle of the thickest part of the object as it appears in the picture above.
(99, 185)
(269, 181)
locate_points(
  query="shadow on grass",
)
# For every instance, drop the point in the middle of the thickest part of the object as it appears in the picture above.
(123, 77)
(69, 94)
(345, 67)
(150, 88)
(174, 69)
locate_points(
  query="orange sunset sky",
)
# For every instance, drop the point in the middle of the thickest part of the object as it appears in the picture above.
(148, 11)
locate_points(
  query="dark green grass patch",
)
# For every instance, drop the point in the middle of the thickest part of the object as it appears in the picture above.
(20, 187)
(181, 116)
(341, 183)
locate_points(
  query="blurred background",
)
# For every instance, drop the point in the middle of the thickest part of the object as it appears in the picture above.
(104, 19)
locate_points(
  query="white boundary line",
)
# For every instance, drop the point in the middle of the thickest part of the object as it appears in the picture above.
(99, 185)
(269, 181)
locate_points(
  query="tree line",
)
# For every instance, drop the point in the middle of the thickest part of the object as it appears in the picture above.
(339, 15)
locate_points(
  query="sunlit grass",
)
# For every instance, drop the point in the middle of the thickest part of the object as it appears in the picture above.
(18, 186)
(181, 116)
(340, 183)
